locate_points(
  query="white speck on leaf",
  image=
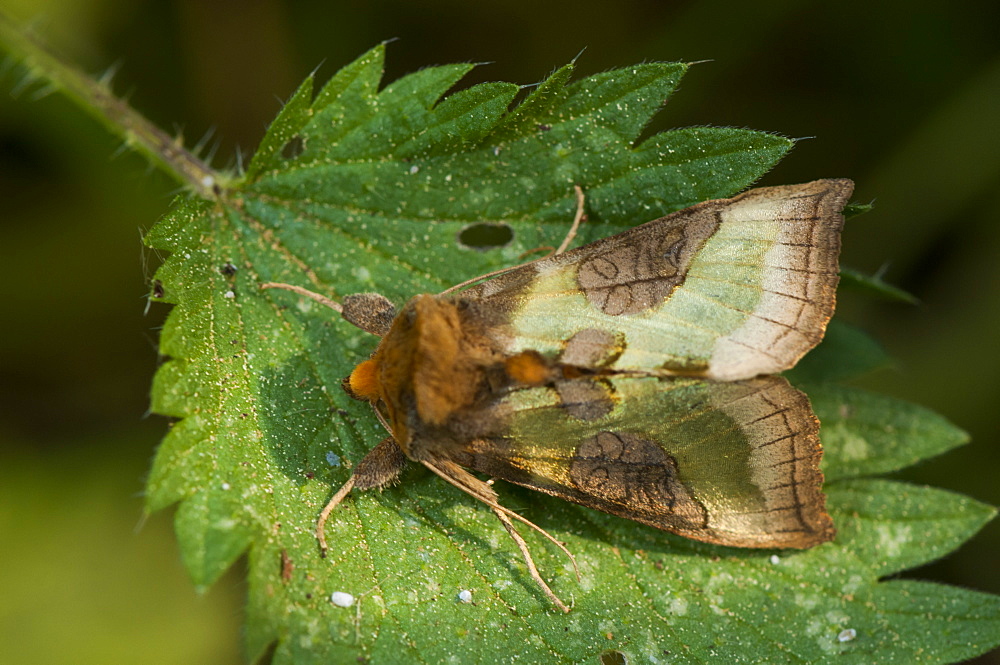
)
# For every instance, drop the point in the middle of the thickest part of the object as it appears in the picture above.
(847, 635)
(465, 596)
(341, 599)
(332, 458)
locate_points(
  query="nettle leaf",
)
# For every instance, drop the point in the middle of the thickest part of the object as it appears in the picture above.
(875, 285)
(865, 433)
(368, 189)
(845, 353)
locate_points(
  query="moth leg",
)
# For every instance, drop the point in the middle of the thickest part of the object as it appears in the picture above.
(465, 481)
(380, 467)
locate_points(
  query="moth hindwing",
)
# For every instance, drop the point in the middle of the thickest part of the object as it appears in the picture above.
(633, 375)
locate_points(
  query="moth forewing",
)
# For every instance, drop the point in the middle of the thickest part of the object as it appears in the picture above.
(625, 375)
(726, 289)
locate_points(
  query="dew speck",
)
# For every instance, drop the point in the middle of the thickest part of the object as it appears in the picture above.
(847, 635)
(226, 486)
(414, 169)
(341, 599)
(332, 458)
(229, 294)
(775, 559)
(465, 596)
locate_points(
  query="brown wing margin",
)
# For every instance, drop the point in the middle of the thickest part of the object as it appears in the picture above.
(800, 280)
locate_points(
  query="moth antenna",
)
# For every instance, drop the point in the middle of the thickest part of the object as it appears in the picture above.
(576, 221)
(578, 218)
(480, 278)
(504, 514)
(548, 249)
(321, 523)
(321, 299)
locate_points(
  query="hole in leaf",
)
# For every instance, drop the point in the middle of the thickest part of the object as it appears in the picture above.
(613, 657)
(484, 236)
(295, 147)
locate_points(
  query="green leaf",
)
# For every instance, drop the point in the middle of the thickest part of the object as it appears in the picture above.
(845, 353)
(894, 526)
(852, 210)
(865, 433)
(366, 190)
(962, 623)
(875, 285)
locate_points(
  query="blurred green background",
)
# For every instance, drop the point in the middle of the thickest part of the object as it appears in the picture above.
(903, 97)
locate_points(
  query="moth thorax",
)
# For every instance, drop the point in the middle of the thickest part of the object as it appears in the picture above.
(364, 381)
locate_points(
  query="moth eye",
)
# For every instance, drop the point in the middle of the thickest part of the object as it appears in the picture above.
(484, 236)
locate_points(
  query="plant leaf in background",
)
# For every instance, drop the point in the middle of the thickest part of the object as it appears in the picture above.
(368, 190)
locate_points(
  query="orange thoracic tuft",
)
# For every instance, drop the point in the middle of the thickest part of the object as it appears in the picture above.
(364, 382)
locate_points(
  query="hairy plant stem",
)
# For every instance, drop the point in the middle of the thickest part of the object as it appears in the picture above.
(95, 96)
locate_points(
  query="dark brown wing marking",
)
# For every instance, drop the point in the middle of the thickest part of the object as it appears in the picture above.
(592, 347)
(634, 474)
(629, 276)
(585, 400)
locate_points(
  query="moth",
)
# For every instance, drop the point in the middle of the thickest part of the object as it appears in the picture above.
(635, 375)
